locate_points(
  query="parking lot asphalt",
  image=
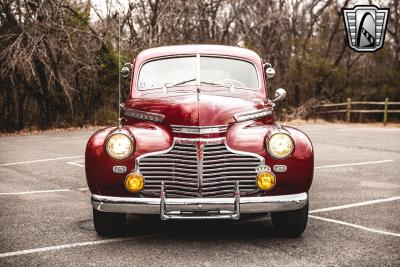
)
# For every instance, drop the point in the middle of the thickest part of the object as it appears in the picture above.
(46, 215)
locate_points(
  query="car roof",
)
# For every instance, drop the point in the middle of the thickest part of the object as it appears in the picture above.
(220, 50)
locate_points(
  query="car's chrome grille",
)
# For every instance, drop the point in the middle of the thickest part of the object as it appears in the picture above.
(183, 176)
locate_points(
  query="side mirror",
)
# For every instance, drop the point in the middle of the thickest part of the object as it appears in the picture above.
(269, 71)
(280, 94)
(126, 70)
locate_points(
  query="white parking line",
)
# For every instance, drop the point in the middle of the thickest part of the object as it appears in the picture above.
(76, 163)
(354, 225)
(82, 189)
(355, 164)
(369, 129)
(43, 191)
(73, 245)
(98, 242)
(358, 204)
(39, 160)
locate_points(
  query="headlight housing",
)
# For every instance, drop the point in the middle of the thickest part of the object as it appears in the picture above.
(280, 145)
(119, 146)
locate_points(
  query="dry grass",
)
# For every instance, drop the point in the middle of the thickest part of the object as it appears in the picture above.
(356, 124)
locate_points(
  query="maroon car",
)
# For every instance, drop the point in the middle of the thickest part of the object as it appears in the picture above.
(198, 140)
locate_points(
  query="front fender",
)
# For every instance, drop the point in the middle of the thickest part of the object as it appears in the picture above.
(101, 179)
(251, 137)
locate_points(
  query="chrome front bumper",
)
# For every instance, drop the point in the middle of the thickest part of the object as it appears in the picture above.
(200, 208)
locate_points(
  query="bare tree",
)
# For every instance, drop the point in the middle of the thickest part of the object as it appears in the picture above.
(59, 63)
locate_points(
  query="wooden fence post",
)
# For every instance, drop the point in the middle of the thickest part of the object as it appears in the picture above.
(315, 113)
(385, 112)
(348, 108)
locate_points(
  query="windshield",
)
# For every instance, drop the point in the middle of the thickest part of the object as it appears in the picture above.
(180, 71)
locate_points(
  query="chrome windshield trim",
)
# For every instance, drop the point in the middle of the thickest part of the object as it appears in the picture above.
(198, 70)
(259, 71)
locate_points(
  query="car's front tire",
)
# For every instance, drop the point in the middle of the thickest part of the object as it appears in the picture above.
(108, 223)
(290, 223)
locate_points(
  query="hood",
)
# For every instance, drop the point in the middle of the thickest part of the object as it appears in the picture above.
(204, 108)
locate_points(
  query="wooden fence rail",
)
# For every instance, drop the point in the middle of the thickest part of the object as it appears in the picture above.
(348, 108)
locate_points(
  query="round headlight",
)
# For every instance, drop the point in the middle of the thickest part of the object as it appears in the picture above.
(280, 145)
(119, 146)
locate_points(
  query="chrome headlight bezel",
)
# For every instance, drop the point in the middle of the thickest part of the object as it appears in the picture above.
(272, 154)
(128, 152)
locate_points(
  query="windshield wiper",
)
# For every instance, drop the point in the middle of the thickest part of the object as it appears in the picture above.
(166, 85)
(182, 82)
(219, 84)
(231, 88)
(226, 85)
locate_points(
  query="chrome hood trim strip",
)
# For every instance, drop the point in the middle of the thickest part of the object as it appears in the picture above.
(254, 114)
(143, 115)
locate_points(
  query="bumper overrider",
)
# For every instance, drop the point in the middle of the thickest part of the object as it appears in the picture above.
(200, 208)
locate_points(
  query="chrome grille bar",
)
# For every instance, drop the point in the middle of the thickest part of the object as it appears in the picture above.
(199, 168)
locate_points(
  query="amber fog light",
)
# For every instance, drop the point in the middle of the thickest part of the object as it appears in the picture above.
(134, 182)
(266, 180)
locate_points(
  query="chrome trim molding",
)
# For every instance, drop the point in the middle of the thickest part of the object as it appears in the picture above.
(198, 80)
(200, 155)
(199, 129)
(261, 158)
(254, 114)
(143, 115)
(280, 168)
(206, 141)
(261, 204)
(137, 161)
(119, 169)
(263, 168)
